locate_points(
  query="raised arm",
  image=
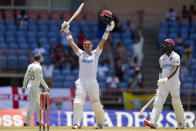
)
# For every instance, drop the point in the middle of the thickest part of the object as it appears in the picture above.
(140, 34)
(69, 37)
(106, 34)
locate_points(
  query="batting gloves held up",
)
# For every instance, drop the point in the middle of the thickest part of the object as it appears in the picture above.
(110, 26)
(65, 26)
(161, 82)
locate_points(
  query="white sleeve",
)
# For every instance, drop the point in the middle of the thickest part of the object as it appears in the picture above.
(26, 78)
(117, 80)
(108, 80)
(176, 60)
(79, 52)
(40, 76)
(43, 51)
(142, 40)
(160, 62)
(34, 51)
(98, 51)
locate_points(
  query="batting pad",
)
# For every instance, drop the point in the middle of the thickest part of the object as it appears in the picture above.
(78, 111)
(157, 108)
(179, 111)
(99, 113)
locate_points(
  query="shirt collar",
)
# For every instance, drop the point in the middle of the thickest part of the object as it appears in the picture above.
(89, 54)
(36, 62)
(172, 53)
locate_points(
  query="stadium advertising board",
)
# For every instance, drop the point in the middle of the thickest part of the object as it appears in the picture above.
(13, 118)
(113, 118)
(120, 118)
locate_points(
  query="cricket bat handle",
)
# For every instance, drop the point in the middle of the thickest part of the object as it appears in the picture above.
(65, 26)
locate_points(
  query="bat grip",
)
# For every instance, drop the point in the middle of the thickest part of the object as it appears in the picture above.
(64, 27)
(60, 31)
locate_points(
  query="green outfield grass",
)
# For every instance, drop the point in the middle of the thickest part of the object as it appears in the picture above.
(65, 128)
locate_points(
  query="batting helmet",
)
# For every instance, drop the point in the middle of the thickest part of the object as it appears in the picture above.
(170, 41)
(106, 15)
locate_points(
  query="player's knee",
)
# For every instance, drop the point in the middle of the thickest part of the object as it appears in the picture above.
(176, 102)
(175, 96)
(97, 106)
(94, 99)
(158, 100)
(78, 103)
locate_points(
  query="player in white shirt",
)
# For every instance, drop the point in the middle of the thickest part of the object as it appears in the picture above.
(33, 78)
(168, 83)
(87, 83)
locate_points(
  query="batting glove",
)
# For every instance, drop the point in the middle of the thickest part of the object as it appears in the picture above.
(110, 26)
(162, 81)
(65, 27)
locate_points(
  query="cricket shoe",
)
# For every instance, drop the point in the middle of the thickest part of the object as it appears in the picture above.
(99, 126)
(25, 124)
(75, 126)
(37, 123)
(147, 123)
(180, 126)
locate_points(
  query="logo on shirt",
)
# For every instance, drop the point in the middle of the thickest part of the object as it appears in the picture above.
(171, 58)
(170, 66)
(87, 61)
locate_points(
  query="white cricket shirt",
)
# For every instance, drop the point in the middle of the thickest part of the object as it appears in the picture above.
(167, 64)
(34, 76)
(88, 64)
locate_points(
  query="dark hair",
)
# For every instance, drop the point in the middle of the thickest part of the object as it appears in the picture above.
(171, 9)
(87, 39)
(39, 45)
(37, 57)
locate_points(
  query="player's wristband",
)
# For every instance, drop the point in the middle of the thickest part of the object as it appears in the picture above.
(105, 36)
(69, 37)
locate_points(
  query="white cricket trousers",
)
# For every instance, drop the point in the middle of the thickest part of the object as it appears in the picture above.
(91, 88)
(34, 103)
(172, 87)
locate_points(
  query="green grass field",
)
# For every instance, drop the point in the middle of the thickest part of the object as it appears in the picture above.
(65, 128)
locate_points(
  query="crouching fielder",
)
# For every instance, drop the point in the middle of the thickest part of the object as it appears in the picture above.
(32, 79)
(168, 83)
(87, 83)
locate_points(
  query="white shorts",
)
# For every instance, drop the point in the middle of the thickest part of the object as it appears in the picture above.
(90, 88)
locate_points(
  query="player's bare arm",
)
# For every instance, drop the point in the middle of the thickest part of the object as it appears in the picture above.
(72, 44)
(174, 72)
(140, 34)
(160, 73)
(109, 28)
(160, 70)
(65, 26)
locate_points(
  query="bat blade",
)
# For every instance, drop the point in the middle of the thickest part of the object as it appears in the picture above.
(146, 106)
(75, 15)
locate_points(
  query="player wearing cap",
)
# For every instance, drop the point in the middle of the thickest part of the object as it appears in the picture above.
(168, 83)
(87, 83)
